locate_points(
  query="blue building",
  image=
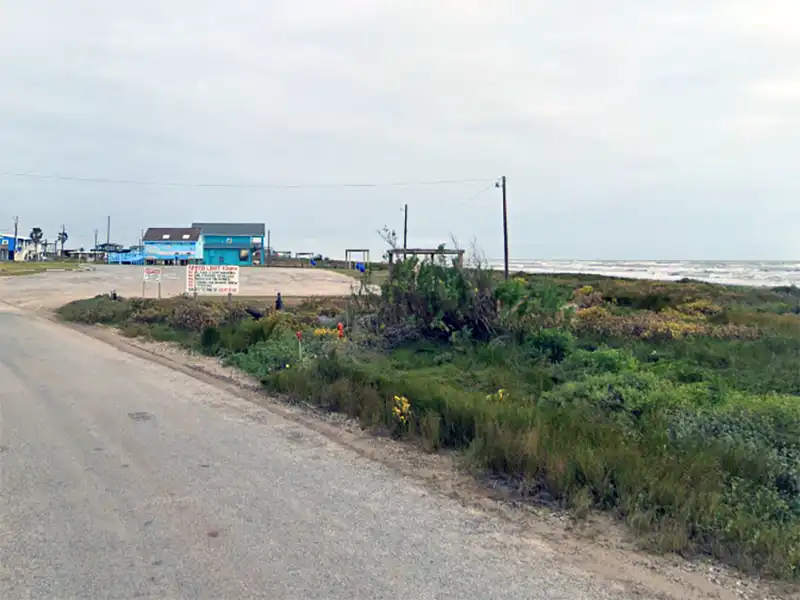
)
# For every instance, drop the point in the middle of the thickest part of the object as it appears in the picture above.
(131, 256)
(6, 248)
(173, 245)
(232, 243)
(18, 248)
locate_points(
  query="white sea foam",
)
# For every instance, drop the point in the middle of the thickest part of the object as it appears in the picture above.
(727, 272)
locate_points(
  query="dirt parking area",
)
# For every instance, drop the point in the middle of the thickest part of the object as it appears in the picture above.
(55, 288)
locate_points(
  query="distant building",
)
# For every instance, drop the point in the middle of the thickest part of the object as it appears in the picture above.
(109, 247)
(19, 248)
(232, 243)
(173, 245)
(126, 256)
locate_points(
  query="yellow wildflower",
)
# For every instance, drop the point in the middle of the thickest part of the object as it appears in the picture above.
(401, 408)
(498, 396)
(320, 331)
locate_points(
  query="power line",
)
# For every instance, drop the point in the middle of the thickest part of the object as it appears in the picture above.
(476, 194)
(263, 185)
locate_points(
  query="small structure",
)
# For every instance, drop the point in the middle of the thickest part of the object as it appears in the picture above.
(232, 243)
(309, 258)
(172, 246)
(348, 256)
(432, 253)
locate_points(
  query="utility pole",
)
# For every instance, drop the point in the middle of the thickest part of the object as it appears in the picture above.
(405, 229)
(16, 241)
(108, 231)
(95, 239)
(502, 184)
(269, 247)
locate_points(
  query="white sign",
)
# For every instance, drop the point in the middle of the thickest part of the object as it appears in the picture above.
(152, 274)
(212, 280)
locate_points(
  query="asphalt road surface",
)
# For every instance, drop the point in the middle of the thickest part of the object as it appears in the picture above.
(121, 478)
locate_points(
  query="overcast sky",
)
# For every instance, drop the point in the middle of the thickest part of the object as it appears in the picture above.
(626, 128)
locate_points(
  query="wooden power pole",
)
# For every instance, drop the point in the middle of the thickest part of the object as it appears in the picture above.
(505, 227)
(405, 229)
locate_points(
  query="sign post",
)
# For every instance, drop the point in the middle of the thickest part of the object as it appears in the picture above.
(212, 280)
(151, 275)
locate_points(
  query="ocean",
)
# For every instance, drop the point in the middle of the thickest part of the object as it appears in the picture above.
(753, 273)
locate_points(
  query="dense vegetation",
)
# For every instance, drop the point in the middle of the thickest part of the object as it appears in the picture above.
(674, 406)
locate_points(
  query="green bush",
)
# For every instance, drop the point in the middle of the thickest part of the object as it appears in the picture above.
(582, 363)
(210, 339)
(439, 299)
(98, 310)
(241, 336)
(552, 344)
(268, 356)
(527, 306)
(759, 366)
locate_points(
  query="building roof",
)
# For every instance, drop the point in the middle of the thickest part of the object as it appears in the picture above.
(232, 229)
(172, 234)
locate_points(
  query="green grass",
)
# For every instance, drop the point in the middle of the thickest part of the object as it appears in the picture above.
(673, 406)
(11, 268)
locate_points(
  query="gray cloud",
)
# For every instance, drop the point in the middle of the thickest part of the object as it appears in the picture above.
(627, 129)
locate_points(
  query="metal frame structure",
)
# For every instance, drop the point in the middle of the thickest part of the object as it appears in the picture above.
(348, 253)
(432, 253)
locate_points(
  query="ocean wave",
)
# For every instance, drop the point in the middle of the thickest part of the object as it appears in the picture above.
(764, 274)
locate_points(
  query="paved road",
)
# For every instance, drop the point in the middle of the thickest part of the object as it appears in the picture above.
(123, 479)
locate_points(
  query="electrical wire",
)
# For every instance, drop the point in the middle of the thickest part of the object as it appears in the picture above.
(263, 185)
(475, 195)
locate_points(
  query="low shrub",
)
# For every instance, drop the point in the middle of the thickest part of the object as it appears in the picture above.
(586, 297)
(98, 310)
(659, 326)
(552, 344)
(181, 313)
(440, 299)
(266, 357)
(583, 363)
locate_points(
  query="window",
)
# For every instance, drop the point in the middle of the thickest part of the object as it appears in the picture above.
(244, 256)
(165, 236)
